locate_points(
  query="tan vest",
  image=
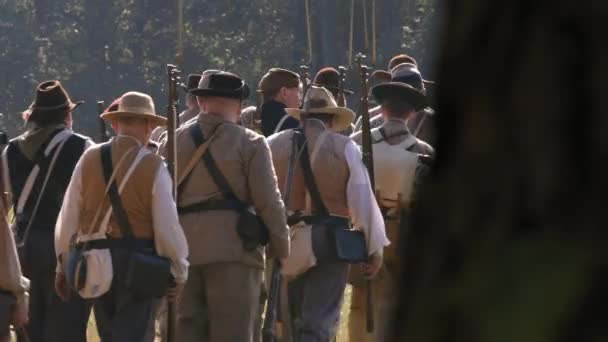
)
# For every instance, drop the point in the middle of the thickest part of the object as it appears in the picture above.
(329, 167)
(136, 196)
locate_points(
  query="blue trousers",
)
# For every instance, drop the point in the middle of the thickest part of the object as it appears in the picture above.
(120, 315)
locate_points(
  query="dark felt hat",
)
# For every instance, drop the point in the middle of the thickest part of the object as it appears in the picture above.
(402, 91)
(408, 73)
(222, 84)
(193, 80)
(51, 96)
(380, 76)
(329, 78)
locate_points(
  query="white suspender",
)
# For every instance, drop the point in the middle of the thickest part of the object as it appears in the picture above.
(280, 124)
(59, 139)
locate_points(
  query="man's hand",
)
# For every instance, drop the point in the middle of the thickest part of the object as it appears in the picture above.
(61, 286)
(20, 315)
(174, 291)
(372, 266)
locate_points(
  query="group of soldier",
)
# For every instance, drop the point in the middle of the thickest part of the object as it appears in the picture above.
(106, 227)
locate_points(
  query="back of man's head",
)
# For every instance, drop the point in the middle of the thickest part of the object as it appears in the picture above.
(397, 108)
(275, 79)
(226, 107)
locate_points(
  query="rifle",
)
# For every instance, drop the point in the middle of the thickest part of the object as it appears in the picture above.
(269, 330)
(341, 100)
(257, 116)
(103, 134)
(305, 78)
(368, 160)
(173, 79)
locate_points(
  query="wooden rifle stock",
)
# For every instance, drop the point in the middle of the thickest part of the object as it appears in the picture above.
(269, 331)
(368, 160)
(171, 146)
(103, 134)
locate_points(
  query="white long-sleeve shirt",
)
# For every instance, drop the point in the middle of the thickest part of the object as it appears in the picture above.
(169, 238)
(363, 208)
(364, 211)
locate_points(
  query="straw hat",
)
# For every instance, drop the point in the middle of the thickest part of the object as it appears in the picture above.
(320, 101)
(136, 105)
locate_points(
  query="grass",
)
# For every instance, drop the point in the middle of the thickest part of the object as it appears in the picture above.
(342, 333)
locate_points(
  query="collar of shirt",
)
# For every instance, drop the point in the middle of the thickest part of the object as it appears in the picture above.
(396, 127)
(316, 123)
(274, 107)
(124, 136)
(210, 122)
(35, 136)
(398, 121)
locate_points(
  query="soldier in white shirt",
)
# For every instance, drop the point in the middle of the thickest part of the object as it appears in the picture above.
(345, 197)
(152, 225)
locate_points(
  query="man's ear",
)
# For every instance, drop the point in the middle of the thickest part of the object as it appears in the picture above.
(283, 93)
(114, 125)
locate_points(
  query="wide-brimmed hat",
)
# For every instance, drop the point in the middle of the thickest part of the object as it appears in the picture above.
(410, 74)
(380, 76)
(51, 96)
(320, 101)
(329, 78)
(222, 84)
(400, 59)
(135, 105)
(400, 90)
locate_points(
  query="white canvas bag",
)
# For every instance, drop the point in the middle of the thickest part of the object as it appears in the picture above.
(100, 272)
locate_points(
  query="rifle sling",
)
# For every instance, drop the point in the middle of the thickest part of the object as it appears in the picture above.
(309, 177)
(230, 201)
(119, 211)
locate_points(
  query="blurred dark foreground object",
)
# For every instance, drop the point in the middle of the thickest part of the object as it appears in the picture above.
(509, 239)
(3, 138)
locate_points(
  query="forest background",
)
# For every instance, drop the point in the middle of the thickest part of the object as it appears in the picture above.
(101, 49)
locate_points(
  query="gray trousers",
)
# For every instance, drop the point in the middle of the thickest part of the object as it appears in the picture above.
(220, 303)
(120, 315)
(316, 300)
(316, 296)
(51, 319)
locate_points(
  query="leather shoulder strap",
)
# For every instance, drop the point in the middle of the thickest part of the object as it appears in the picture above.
(117, 207)
(211, 165)
(309, 177)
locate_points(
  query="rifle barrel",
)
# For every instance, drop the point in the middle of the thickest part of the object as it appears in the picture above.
(103, 134)
(368, 160)
(172, 75)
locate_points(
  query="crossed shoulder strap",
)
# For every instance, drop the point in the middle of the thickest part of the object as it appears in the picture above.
(117, 207)
(309, 177)
(222, 183)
